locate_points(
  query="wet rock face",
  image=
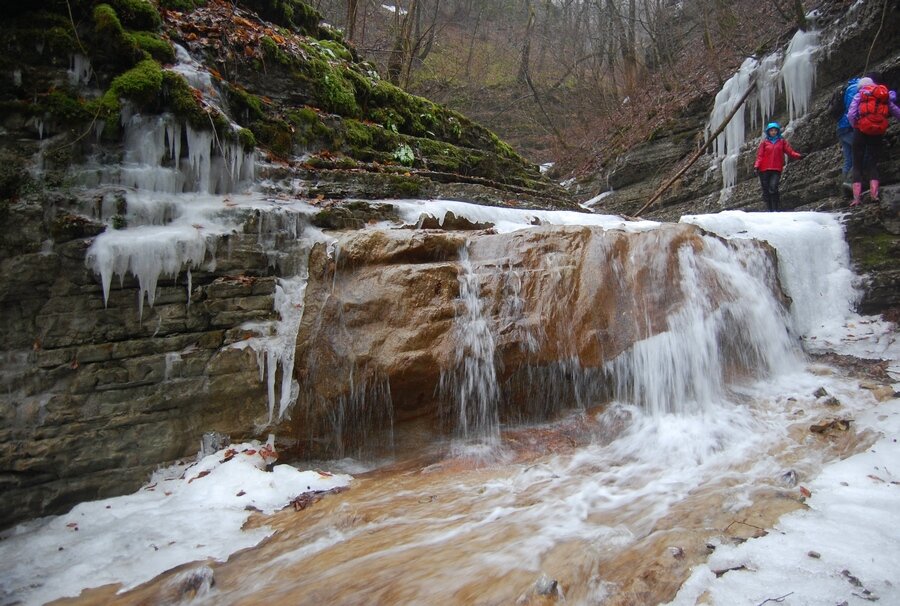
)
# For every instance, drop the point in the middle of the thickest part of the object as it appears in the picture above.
(383, 334)
(93, 397)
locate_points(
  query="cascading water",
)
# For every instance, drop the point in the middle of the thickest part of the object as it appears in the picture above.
(692, 440)
(471, 386)
(729, 319)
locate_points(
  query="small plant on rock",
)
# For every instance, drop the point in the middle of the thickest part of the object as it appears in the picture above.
(404, 155)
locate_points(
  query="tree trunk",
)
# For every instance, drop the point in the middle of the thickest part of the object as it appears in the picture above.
(526, 46)
(352, 9)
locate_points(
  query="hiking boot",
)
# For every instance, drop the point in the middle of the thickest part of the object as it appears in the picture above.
(873, 191)
(857, 193)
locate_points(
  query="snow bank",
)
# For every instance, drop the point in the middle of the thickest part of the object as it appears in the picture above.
(509, 219)
(184, 514)
(844, 547)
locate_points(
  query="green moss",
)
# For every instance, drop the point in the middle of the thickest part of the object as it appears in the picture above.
(406, 187)
(137, 14)
(292, 14)
(877, 251)
(273, 52)
(180, 97)
(106, 22)
(56, 41)
(141, 84)
(12, 175)
(154, 45)
(310, 131)
(357, 134)
(66, 108)
(336, 50)
(246, 139)
(331, 89)
(249, 107)
(274, 135)
(113, 46)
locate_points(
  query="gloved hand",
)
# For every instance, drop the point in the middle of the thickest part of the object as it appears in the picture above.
(756, 171)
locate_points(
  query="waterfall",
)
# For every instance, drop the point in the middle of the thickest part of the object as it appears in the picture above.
(813, 262)
(729, 322)
(472, 384)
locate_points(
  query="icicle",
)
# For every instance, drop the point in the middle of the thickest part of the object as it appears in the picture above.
(767, 86)
(727, 145)
(17, 77)
(799, 71)
(278, 350)
(80, 70)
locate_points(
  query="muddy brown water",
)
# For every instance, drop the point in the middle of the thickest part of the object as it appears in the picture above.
(561, 517)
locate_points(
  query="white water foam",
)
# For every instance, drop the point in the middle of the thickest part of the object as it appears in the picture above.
(472, 384)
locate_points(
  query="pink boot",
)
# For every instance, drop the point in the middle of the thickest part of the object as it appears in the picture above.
(873, 190)
(857, 192)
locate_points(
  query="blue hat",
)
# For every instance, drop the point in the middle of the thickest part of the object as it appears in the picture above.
(772, 125)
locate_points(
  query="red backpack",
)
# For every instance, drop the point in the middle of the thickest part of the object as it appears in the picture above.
(873, 110)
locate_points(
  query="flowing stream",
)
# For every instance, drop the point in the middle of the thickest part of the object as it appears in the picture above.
(610, 504)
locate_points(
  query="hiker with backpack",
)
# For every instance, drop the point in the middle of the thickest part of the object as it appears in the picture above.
(868, 114)
(838, 106)
(770, 162)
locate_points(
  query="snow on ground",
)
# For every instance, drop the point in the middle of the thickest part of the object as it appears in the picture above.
(185, 513)
(843, 549)
(589, 204)
(510, 219)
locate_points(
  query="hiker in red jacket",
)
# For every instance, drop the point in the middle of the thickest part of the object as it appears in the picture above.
(770, 162)
(868, 114)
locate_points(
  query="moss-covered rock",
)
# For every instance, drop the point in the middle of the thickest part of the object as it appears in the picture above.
(142, 84)
(183, 100)
(246, 106)
(137, 14)
(293, 14)
(112, 47)
(12, 175)
(246, 139)
(154, 45)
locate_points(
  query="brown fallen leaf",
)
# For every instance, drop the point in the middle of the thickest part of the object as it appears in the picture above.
(202, 474)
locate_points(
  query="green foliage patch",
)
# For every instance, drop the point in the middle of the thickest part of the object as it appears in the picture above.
(154, 45)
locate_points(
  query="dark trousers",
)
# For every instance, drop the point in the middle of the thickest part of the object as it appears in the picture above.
(769, 180)
(866, 154)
